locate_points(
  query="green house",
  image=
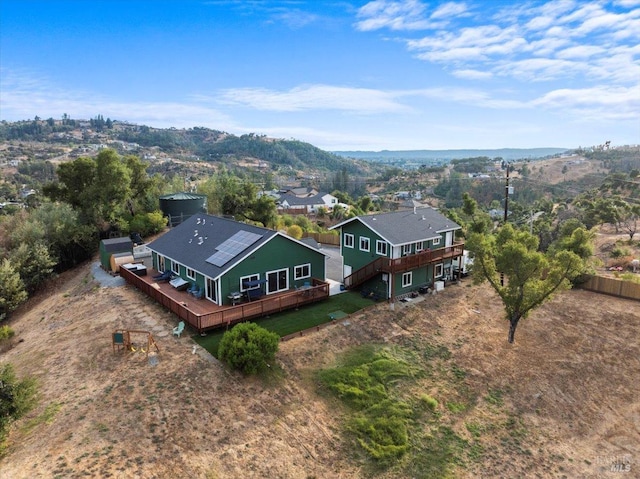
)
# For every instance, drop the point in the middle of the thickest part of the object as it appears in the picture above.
(225, 259)
(394, 254)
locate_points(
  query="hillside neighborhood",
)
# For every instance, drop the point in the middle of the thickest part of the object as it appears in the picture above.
(127, 268)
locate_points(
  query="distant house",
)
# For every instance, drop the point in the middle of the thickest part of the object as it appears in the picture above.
(308, 204)
(393, 254)
(224, 258)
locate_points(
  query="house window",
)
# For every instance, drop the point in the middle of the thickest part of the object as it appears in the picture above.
(175, 268)
(407, 279)
(302, 271)
(364, 243)
(406, 249)
(161, 263)
(348, 240)
(419, 246)
(277, 280)
(191, 274)
(435, 241)
(246, 279)
(212, 290)
(439, 270)
(381, 247)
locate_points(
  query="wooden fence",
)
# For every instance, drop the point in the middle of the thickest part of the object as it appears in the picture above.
(324, 238)
(612, 286)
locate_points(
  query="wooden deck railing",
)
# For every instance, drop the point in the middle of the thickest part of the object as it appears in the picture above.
(403, 264)
(227, 315)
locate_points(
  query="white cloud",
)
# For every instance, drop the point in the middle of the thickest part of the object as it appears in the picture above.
(601, 102)
(25, 95)
(580, 52)
(395, 15)
(449, 9)
(315, 97)
(472, 74)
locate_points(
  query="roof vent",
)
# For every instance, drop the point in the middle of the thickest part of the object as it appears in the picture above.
(190, 240)
(414, 210)
(200, 240)
(373, 219)
(423, 218)
(198, 221)
(195, 232)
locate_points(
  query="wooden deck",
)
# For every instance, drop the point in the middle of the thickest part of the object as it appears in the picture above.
(202, 314)
(400, 265)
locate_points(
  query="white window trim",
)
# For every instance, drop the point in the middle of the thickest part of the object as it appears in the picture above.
(407, 279)
(249, 278)
(191, 273)
(286, 286)
(368, 242)
(297, 276)
(175, 267)
(351, 238)
(439, 266)
(382, 245)
(405, 250)
(419, 246)
(435, 241)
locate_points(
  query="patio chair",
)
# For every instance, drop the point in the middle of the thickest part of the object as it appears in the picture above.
(177, 331)
(193, 288)
(166, 276)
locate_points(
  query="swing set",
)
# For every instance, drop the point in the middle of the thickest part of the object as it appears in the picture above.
(121, 340)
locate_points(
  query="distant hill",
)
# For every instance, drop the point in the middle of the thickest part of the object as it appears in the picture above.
(448, 155)
(203, 143)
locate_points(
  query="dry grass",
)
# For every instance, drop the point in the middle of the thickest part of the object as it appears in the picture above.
(561, 401)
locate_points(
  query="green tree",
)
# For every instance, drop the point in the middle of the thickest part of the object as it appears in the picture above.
(629, 219)
(17, 397)
(12, 292)
(231, 196)
(33, 263)
(530, 277)
(148, 223)
(248, 347)
(106, 191)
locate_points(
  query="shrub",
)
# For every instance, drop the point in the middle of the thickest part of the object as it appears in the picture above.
(6, 333)
(294, 231)
(248, 347)
(429, 401)
(16, 397)
(618, 252)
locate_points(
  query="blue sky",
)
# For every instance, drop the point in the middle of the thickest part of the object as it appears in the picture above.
(342, 75)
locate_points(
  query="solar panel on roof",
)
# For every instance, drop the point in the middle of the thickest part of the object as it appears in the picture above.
(232, 247)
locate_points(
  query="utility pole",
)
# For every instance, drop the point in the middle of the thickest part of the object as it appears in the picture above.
(506, 209)
(506, 195)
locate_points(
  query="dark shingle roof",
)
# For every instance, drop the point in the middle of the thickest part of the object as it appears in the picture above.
(403, 227)
(197, 238)
(298, 201)
(116, 245)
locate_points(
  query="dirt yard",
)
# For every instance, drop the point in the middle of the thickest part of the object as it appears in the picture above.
(570, 383)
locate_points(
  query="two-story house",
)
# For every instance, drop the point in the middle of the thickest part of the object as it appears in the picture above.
(393, 254)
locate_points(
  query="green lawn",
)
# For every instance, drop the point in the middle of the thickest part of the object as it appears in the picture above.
(292, 321)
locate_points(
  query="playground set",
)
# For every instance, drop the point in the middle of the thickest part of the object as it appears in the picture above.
(122, 341)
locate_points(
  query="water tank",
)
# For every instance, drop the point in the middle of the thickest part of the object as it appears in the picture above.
(180, 206)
